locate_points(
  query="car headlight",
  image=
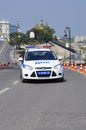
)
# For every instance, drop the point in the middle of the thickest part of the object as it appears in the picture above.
(58, 66)
(28, 67)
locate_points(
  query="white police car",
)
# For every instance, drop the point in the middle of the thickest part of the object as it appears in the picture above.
(40, 64)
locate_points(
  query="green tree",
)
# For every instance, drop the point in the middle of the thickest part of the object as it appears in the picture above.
(17, 38)
(42, 35)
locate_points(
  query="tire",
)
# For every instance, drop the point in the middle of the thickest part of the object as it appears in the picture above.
(21, 77)
(61, 79)
(23, 80)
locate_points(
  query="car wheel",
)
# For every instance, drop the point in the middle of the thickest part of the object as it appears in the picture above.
(61, 79)
(23, 80)
(20, 74)
(21, 77)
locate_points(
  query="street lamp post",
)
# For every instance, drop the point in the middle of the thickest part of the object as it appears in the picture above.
(69, 37)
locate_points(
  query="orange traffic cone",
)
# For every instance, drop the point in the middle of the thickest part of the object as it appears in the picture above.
(64, 64)
(81, 68)
(72, 66)
(67, 65)
(85, 69)
(75, 67)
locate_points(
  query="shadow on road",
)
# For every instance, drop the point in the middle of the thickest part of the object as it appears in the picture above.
(44, 81)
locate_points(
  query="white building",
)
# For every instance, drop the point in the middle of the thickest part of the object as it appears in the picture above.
(79, 39)
(6, 28)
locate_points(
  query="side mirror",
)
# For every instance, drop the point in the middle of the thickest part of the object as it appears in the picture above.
(60, 59)
(21, 59)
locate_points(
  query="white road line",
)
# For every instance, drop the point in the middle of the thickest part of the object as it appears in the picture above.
(4, 90)
(15, 82)
(3, 48)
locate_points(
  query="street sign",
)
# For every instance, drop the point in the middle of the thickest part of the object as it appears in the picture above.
(67, 45)
(32, 35)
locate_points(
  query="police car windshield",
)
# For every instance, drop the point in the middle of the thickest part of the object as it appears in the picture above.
(40, 55)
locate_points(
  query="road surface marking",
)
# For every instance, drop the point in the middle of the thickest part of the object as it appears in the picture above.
(15, 82)
(4, 90)
(3, 48)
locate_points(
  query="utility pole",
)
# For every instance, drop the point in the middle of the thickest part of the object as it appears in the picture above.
(69, 38)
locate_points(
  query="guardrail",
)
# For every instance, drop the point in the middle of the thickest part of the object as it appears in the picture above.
(64, 46)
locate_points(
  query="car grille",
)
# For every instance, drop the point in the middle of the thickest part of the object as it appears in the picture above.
(45, 73)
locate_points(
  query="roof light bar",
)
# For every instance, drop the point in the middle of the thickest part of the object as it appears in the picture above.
(46, 46)
(28, 47)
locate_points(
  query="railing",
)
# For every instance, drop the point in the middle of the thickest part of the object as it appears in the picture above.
(64, 46)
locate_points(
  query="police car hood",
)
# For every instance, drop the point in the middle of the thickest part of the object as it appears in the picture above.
(42, 63)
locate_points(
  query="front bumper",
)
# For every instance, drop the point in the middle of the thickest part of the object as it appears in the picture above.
(40, 74)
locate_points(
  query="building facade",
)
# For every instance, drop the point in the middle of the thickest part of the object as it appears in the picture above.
(6, 29)
(80, 39)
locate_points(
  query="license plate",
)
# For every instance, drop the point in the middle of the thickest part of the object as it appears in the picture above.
(43, 72)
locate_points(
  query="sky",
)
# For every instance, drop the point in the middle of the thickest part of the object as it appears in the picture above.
(58, 13)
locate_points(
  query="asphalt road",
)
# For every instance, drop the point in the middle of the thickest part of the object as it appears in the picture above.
(5, 52)
(42, 105)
